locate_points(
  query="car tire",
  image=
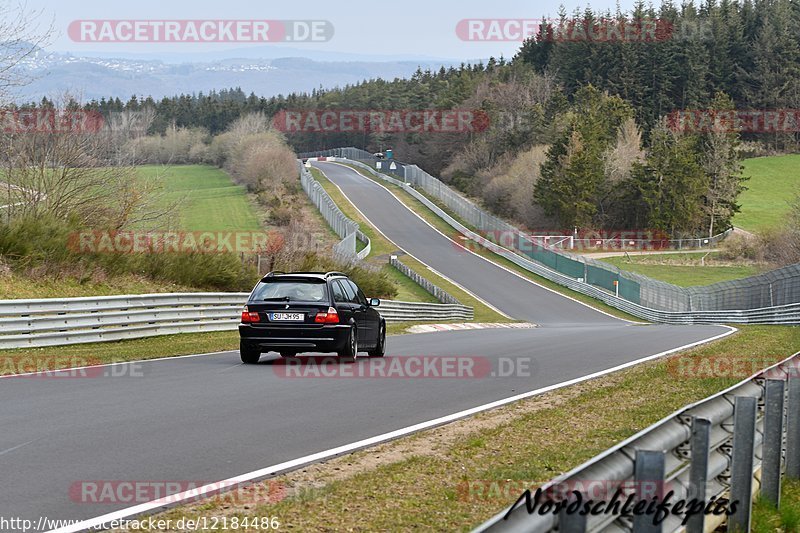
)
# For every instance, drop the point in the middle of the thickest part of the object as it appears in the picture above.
(249, 355)
(380, 346)
(350, 350)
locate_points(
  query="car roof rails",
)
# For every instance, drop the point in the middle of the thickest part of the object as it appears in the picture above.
(325, 274)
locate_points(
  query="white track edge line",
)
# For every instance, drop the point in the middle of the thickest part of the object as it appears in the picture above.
(375, 227)
(486, 258)
(100, 365)
(371, 441)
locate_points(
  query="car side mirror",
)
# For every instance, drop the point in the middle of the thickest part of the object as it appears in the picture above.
(374, 302)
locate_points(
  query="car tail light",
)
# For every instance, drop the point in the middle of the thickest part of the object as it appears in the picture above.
(249, 316)
(330, 317)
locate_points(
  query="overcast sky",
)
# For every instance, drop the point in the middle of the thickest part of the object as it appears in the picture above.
(407, 28)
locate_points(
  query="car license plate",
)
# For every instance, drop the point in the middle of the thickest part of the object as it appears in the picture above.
(287, 317)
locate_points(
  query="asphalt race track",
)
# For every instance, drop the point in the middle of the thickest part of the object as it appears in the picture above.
(208, 418)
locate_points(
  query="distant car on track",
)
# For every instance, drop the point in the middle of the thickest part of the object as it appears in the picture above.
(310, 312)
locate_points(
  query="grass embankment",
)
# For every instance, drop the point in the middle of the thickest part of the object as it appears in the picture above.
(205, 197)
(454, 477)
(773, 183)
(40, 262)
(76, 355)
(686, 270)
(382, 248)
(434, 220)
(208, 201)
(13, 286)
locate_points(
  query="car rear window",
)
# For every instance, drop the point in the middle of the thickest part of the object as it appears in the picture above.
(295, 290)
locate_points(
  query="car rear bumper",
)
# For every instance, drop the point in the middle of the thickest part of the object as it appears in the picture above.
(298, 338)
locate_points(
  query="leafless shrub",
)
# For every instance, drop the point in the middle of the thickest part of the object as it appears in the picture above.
(76, 175)
(509, 193)
(174, 147)
(20, 37)
(262, 162)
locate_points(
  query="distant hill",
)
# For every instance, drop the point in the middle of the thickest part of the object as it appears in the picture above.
(95, 76)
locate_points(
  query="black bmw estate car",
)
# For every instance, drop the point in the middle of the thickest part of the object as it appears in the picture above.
(310, 312)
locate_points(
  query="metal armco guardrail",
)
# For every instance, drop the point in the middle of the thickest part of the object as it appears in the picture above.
(780, 314)
(345, 228)
(61, 321)
(774, 288)
(394, 311)
(735, 444)
(349, 230)
(439, 293)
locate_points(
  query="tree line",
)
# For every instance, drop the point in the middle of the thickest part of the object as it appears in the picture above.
(589, 118)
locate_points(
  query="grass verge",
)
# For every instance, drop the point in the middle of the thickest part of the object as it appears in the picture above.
(767, 519)
(54, 357)
(772, 185)
(206, 198)
(454, 477)
(434, 220)
(13, 285)
(75, 355)
(685, 270)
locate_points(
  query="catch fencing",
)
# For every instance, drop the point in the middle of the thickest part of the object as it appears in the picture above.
(345, 228)
(734, 445)
(62, 321)
(748, 300)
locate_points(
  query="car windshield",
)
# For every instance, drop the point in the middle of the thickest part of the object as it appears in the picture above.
(294, 290)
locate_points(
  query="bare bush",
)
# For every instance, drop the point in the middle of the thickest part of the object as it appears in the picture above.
(20, 37)
(75, 175)
(174, 147)
(266, 166)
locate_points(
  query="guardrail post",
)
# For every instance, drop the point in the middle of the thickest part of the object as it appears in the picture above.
(793, 425)
(698, 471)
(744, 436)
(773, 441)
(648, 479)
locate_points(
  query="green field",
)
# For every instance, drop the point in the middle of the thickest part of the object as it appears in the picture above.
(772, 185)
(685, 270)
(207, 198)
